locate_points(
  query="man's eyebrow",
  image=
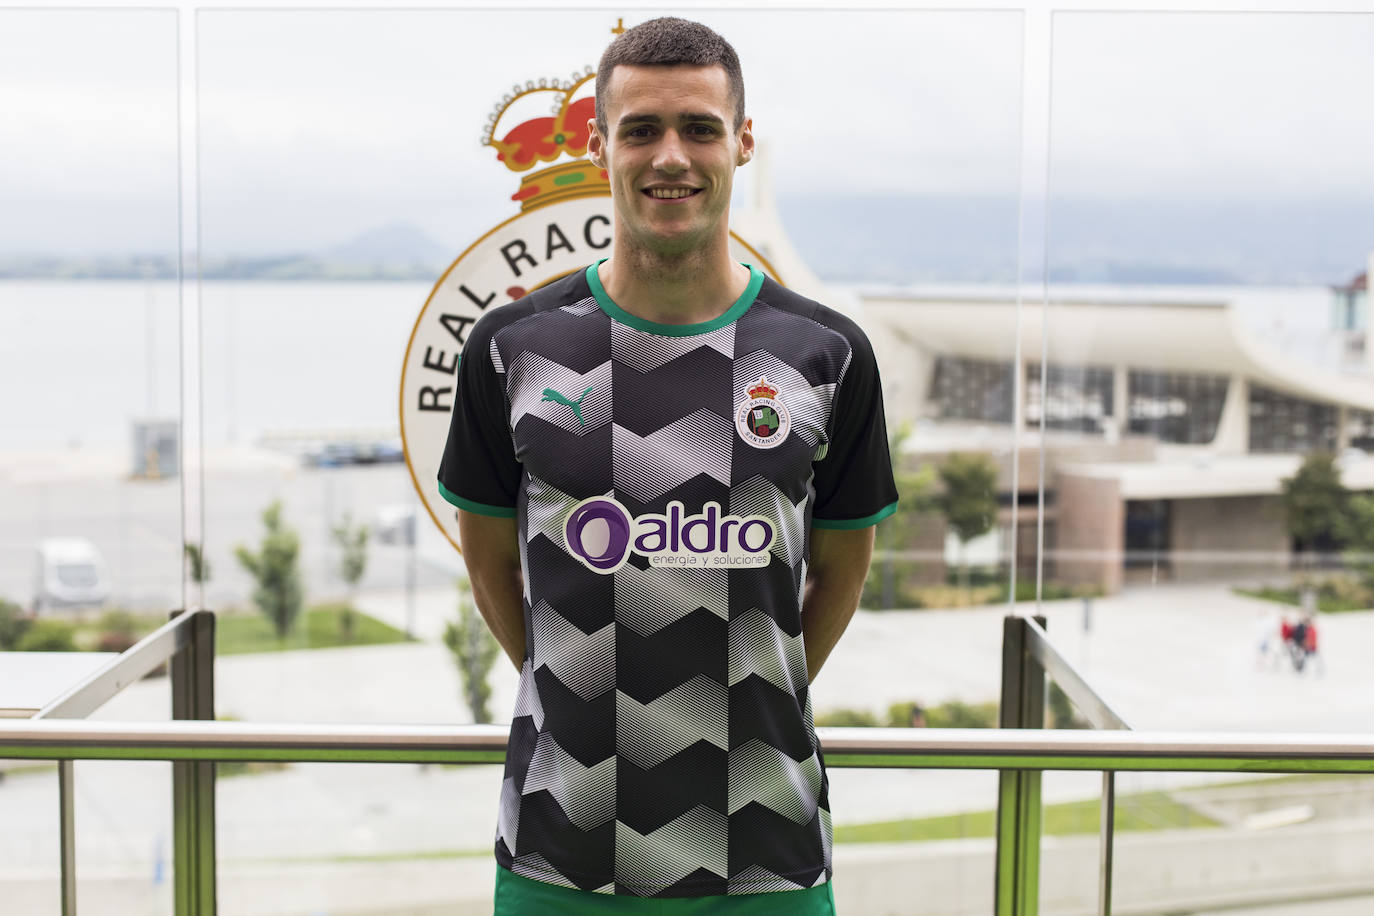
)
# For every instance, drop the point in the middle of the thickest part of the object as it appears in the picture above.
(687, 117)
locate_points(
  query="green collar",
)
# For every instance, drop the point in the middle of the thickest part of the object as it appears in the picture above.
(617, 313)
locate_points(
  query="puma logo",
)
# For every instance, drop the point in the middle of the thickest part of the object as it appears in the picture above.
(551, 395)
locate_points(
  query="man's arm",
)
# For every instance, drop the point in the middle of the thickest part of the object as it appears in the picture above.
(834, 580)
(492, 554)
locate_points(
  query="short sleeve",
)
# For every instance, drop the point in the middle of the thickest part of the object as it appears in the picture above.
(479, 471)
(853, 480)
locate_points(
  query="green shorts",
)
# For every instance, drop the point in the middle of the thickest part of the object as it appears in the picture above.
(517, 896)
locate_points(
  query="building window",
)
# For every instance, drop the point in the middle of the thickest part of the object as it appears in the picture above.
(1178, 407)
(1147, 533)
(974, 389)
(1079, 397)
(1359, 427)
(1279, 423)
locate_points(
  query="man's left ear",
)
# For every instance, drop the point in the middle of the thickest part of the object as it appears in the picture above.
(746, 141)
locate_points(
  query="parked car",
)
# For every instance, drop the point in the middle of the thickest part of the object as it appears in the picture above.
(69, 572)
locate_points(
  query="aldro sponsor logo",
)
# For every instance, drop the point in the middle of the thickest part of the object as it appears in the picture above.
(602, 533)
(564, 224)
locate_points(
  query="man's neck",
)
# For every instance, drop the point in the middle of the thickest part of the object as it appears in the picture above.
(691, 289)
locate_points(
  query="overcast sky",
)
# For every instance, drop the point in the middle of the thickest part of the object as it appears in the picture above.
(318, 124)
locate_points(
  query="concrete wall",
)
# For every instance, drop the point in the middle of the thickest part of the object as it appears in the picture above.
(1156, 873)
(1228, 536)
(1090, 532)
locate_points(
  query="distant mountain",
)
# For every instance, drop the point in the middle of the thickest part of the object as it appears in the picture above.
(909, 238)
(397, 243)
(397, 252)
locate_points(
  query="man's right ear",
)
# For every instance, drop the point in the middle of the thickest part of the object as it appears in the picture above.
(595, 145)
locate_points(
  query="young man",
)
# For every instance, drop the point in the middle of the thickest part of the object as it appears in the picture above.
(667, 468)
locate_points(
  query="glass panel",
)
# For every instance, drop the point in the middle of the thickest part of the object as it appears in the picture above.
(89, 311)
(362, 837)
(1203, 250)
(123, 836)
(29, 844)
(1248, 843)
(1215, 285)
(909, 841)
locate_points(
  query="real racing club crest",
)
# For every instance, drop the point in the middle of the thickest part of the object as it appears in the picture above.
(762, 418)
(564, 224)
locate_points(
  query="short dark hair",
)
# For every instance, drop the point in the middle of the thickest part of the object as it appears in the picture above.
(664, 42)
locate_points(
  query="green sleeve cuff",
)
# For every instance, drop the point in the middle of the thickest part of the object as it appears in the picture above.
(849, 524)
(479, 508)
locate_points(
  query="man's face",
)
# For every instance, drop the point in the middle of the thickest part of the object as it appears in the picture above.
(670, 150)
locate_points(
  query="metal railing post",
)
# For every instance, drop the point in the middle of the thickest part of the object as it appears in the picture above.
(1017, 891)
(193, 781)
(1108, 834)
(66, 808)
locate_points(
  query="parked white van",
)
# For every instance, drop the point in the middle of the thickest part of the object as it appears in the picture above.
(69, 572)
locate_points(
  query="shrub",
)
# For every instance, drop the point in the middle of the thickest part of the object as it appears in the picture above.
(474, 652)
(48, 636)
(14, 623)
(957, 714)
(847, 718)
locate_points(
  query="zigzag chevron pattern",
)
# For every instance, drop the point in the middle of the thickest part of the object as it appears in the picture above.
(546, 510)
(758, 496)
(758, 880)
(647, 600)
(763, 774)
(646, 351)
(649, 466)
(582, 308)
(586, 794)
(523, 544)
(537, 867)
(584, 662)
(827, 839)
(530, 374)
(527, 698)
(758, 646)
(508, 815)
(648, 862)
(809, 405)
(650, 733)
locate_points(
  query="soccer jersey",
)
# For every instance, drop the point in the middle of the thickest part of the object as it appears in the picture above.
(665, 480)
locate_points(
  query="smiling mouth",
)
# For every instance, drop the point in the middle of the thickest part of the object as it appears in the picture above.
(671, 193)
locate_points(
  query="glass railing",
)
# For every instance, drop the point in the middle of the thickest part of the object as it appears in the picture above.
(1020, 751)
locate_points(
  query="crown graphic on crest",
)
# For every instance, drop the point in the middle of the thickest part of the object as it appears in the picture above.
(763, 390)
(537, 140)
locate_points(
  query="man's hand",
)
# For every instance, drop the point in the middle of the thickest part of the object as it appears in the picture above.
(834, 580)
(492, 554)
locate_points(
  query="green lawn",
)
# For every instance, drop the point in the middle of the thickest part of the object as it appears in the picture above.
(1145, 811)
(317, 628)
(1326, 603)
(240, 632)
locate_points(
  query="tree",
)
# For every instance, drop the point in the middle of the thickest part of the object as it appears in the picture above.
(1356, 533)
(352, 542)
(474, 652)
(968, 500)
(276, 569)
(197, 566)
(900, 530)
(1315, 504)
(14, 623)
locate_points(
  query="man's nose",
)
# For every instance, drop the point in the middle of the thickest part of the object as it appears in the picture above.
(670, 155)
